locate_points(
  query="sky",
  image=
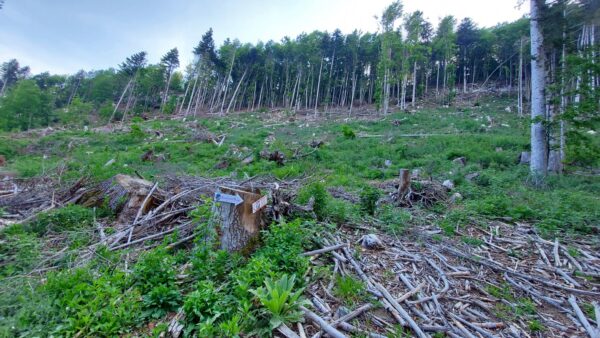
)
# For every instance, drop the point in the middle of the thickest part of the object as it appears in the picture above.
(64, 36)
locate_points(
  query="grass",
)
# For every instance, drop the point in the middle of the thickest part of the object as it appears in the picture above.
(219, 297)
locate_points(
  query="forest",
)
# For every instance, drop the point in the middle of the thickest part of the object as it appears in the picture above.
(428, 179)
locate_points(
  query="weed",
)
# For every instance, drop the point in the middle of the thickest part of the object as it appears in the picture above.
(280, 300)
(349, 289)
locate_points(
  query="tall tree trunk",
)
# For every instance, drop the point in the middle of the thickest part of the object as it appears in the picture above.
(112, 116)
(414, 88)
(227, 83)
(520, 98)
(437, 80)
(166, 95)
(539, 146)
(318, 87)
(236, 91)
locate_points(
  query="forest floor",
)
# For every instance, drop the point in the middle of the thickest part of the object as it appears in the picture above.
(475, 252)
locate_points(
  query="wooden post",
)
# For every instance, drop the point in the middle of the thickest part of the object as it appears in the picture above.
(239, 225)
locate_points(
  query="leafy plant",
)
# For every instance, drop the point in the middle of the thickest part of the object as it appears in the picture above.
(160, 300)
(280, 300)
(368, 200)
(348, 132)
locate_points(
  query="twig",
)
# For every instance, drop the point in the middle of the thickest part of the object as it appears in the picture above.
(332, 331)
(324, 250)
(586, 324)
(401, 310)
(286, 331)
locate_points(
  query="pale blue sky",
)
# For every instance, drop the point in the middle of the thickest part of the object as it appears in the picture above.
(63, 36)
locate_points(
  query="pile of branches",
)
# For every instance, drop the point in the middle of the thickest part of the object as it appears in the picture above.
(459, 290)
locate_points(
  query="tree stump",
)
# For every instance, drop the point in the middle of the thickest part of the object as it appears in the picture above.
(404, 187)
(240, 226)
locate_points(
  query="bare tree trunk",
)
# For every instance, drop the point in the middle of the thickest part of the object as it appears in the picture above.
(539, 146)
(227, 83)
(414, 88)
(236, 91)
(318, 87)
(187, 111)
(520, 99)
(437, 80)
(120, 99)
(353, 89)
(166, 95)
(187, 88)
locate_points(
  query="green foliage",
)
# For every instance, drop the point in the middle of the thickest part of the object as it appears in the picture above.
(369, 197)
(348, 132)
(161, 300)
(25, 107)
(349, 289)
(320, 195)
(69, 218)
(154, 268)
(280, 300)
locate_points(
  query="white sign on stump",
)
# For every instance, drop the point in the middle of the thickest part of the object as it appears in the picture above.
(256, 206)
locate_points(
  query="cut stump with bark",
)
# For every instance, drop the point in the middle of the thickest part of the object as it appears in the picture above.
(240, 226)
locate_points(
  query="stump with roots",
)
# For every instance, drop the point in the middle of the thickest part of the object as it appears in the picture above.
(124, 195)
(239, 226)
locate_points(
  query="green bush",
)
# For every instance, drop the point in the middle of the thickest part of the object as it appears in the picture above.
(369, 197)
(69, 218)
(280, 300)
(348, 132)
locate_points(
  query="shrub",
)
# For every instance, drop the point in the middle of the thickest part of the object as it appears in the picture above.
(368, 200)
(348, 132)
(71, 217)
(154, 268)
(280, 300)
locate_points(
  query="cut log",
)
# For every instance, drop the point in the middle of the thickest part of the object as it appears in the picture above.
(239, 227)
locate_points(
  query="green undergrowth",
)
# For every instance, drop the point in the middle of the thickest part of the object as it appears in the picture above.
(223, 295)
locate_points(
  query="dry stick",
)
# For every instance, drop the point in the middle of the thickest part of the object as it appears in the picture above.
(473, 326)
(301, 330)
(555, 253)
(533, 292)
(357, 268)
(462, 329)
(324, 250)
(566, 277)
(543, 254)
(141, 210)
(411, 292)
(497, 267)
(332, 331)
(351, 328)
(160, 234)
(401, 310)
(586, 324)
(352, 314)
(286, 331)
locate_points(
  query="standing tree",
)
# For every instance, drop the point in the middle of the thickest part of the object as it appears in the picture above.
(390, 15)
(169, 62)
(130, 68)
(11, 72)
(539, 146)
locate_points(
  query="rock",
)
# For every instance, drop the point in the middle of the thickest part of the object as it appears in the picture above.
(248, 160)
(448, 184)
(2, 161)
(525, 157)
(471, 176)
(371, 241)
(456, 197)
(316, 144)
(387, 163)
(508, 109)
(342, 311)
(499, 149)
(460, 160)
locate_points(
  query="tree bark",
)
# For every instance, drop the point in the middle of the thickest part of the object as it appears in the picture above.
(240, 227)
(539, 146)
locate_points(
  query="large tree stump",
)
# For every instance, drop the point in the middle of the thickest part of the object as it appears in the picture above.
(124, 195)
(240, 226)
